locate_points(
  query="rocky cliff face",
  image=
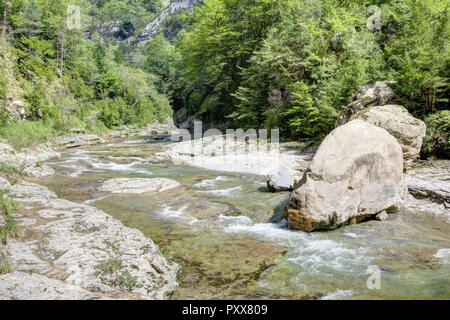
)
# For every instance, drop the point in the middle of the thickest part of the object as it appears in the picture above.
(152, 29)
(176, 5)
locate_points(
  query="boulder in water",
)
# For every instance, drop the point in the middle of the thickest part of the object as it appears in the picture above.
(138, 185)
(356, 173)
(77, 140)
(280, 180)
(373, 104)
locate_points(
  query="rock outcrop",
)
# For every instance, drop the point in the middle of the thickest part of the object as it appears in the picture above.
(435, 190)
(138, 185)
(152, 29)
(356, 173)
(373, 104)
(67, 250)
(376, 94)
(29, 161)
(4, 184)
(156, 131)
(77, 140)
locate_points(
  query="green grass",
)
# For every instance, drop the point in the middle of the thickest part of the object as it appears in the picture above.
(4, 167)
(8, 228)
(5, 267)
(110, 273)
(25, 133)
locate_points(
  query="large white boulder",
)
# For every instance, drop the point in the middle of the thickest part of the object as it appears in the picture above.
(356, 173)
(373, 104)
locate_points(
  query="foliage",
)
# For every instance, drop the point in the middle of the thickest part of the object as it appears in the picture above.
(438, 133)
(294, 65)
(8, 226)
(67, 80)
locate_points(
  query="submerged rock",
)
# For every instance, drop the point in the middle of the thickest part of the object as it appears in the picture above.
(356, 173)
(142, 185)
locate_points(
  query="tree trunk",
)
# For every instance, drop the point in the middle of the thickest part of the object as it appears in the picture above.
(4, 17)
(63, 42)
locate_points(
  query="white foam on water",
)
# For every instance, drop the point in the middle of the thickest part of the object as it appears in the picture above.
(222, 193)
(125, 158)
(210, 183)
(351, 235)
(79, 171)
(311, 254)
(123, 167)
(338, 295)
(222, 178)
(93, 200)
(328, 258)
(443, 254)
(271, 231)
(168, 212)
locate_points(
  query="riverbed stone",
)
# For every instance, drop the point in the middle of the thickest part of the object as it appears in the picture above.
(280, 180)
(138, 185)
(29, 161)
(77, 140)
(6, 149)
(356, 173)
(33, 286)
(86, 253)
(382, 216)
(435, 190)
(4, 184)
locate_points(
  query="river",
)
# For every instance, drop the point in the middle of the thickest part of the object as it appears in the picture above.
(217, 228)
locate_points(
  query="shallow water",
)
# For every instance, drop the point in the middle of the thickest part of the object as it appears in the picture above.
(217, 227)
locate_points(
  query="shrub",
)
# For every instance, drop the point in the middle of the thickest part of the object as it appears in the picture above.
(8, 226)
(437, 141)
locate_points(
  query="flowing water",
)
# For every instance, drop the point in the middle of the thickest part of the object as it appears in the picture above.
(217, 228)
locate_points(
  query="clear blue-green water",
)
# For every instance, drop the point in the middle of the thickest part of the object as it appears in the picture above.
(222, 231)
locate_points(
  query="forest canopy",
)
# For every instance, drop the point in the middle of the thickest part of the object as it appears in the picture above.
(287, 64)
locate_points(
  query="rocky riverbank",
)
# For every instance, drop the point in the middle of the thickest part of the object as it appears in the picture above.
(68, 250)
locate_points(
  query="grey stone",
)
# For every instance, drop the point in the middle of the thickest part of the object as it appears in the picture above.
(280, 180)
(77, 140)
(382, 216)
(138, 185)
(356, 173)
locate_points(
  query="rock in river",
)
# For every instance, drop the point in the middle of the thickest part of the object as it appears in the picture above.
(371, 104)
(356, 173)
(125, 185)
(280, 180)
(77, 140)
